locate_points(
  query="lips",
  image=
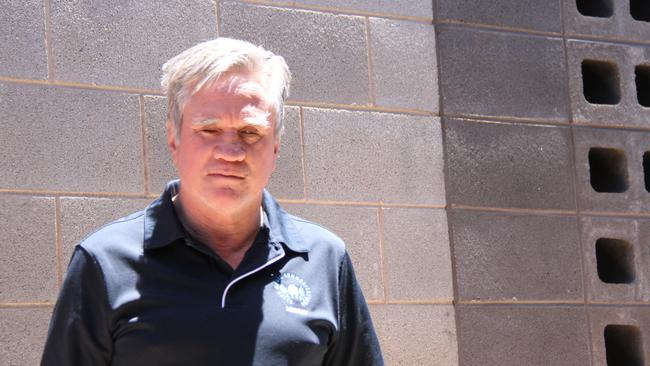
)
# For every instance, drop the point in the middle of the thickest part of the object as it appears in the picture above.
(228, 174)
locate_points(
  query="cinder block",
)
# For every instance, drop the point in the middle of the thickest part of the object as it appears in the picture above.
(642, 261)
(416, 334)
(366, 156)
(619, 25)
(22, 43)
(327, 53)
(81, 216)
(619, 274)
(287, 180)
(537, 15)
(631, 146)
(22, 335)
(416, 252)
(159, 161)
(69, 139)
(509, 165)
(125, 43)
(28, 251)
(359, 228)
(636, 318)
(498, 74)
(518, 335)
(404, 64)
(626, 111)
(515, 257)
(413, 8)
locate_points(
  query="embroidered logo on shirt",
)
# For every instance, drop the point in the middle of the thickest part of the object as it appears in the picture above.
(294, 291)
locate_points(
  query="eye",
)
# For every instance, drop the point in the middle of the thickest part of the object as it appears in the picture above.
(250, 135)
(249, 132)
(209, 130)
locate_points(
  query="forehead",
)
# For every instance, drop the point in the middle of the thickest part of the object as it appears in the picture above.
(235, 84)
(230, 93)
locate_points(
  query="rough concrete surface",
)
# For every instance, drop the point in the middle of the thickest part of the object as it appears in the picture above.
(416, 251)
(340, 72)
(620, 25)
(490, 73)
(538, 15)
(22, 39)
(70, 139)
(518, 335)
(510, 257)
(633, 145)
(509, 165)
(416, 334)
(125, 43)
(28, 252)
(412, 8)
(627, 112)
(364, 156)
(638, 317)
(22, 335)
(404, 67)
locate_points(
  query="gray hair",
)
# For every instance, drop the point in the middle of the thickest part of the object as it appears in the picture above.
(202, 65)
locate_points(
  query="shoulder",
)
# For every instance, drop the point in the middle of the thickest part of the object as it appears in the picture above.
(124, 234)
(299, 234)
(318, 236)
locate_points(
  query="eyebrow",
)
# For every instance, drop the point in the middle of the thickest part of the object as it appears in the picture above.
(203, 121)
(261, 120)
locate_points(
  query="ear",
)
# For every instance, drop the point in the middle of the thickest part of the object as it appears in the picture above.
(276, 147)
(172, 144)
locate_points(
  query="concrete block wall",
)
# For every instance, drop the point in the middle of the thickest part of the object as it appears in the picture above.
(546, 134)
(84, 143)
(449, 142)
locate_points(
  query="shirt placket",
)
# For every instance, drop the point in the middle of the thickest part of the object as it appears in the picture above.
(276, 254)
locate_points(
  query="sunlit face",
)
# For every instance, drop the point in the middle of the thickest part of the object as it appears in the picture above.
(227, 147)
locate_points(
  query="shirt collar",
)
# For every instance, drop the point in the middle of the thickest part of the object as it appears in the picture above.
(281, 226)
(162, 226)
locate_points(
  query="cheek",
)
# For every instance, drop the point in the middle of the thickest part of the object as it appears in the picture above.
(273, 160)
(187, 155)
(265, 158)
(195, 147)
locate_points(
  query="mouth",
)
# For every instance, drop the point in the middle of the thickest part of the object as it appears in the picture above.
(227, 175)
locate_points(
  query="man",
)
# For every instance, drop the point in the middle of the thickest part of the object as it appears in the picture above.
(214, 272)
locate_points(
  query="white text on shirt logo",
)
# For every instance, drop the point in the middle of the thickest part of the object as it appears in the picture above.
(295, 292)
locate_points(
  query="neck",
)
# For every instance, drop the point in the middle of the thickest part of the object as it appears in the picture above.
(229, 234)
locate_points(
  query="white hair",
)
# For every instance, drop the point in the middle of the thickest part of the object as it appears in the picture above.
(202, 65)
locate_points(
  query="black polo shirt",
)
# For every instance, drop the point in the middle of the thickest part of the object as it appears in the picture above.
(139, 291)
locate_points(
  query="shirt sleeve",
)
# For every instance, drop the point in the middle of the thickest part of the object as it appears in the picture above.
(79, 332)
(356, 342)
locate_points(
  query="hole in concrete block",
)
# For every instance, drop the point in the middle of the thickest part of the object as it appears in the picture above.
(640, 10)
(600, 82)
(642, 78)
(615, 260)
(623, 345)
(646, 170)
(595, 8)
(608, 170)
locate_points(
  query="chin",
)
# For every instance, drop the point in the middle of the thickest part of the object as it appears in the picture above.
(224, 193)
(227, 197)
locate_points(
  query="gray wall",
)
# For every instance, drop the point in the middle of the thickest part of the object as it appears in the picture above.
(526, 204)
(447, 143)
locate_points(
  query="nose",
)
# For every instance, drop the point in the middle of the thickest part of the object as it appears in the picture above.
(229, 148)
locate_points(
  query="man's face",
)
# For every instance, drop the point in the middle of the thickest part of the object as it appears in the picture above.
(227, 147)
